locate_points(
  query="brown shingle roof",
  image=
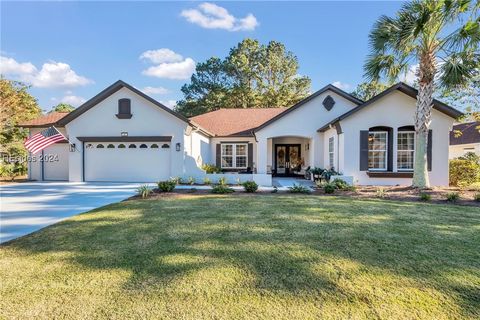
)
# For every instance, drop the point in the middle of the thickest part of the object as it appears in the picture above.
(235, 122)
(470, 133)
(44, 120)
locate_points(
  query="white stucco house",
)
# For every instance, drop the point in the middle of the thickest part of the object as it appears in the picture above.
(122, 134)
(465, 138)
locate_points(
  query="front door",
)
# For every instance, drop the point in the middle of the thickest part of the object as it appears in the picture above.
(287, 159)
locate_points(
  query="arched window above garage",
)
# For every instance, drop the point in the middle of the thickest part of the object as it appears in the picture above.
(154, 146)
(110, 146)
(121, 146)
(132, 146)
(143, 146)
(100, 146)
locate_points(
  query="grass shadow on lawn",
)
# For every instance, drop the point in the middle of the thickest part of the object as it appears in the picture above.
(285, 245)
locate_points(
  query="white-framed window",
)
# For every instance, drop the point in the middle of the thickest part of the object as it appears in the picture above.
(234, 155)
(331, 151)
(405, 150)
(377, 150)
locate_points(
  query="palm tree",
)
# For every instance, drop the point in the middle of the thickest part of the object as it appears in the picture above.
(440, 38)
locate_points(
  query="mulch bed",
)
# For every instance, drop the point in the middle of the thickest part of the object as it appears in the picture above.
(397, 193)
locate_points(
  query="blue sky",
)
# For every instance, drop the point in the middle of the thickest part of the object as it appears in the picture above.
(70, 51)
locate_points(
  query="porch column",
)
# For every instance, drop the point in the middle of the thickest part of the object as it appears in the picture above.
(262, 147)
(311, 152)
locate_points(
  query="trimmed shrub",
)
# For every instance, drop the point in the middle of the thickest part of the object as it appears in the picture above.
(144, 191)
(464, 173)
(207, 181)
(329, 188)
(425, 196)
(340, 184)
(167, 186)
(476, 197)
(452, 197)
(210, 168)
(191, 180)
(176, 180)
(381, 192)
(221, 189)
(250, 186)
(298, 188)
(222, 181)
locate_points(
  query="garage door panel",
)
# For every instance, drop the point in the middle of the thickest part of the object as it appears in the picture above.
(126, 164)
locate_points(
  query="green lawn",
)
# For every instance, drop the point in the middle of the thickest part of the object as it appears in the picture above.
(246, 257)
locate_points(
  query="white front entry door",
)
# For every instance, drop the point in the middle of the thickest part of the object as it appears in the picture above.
(127, 161)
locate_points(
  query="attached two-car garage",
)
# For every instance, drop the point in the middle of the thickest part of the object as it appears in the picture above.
(133, 159)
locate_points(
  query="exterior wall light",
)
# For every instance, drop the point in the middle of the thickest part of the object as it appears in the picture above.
(177, 146)
(72, 147)
(124, 134)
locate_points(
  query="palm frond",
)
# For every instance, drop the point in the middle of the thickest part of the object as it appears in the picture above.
(459, 68)
(383, 34)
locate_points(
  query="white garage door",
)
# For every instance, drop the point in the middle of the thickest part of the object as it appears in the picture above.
(127, 162)
(55, 162)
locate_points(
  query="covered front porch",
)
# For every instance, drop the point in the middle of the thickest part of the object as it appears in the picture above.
(289, 156)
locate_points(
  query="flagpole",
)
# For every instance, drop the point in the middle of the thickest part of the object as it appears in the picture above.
(69, 142)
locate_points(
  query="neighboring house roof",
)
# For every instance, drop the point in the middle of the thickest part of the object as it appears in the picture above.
(108, 92)
(402, 87)
(330, 87)
(470, 133)
(46, 120)
(235, 122)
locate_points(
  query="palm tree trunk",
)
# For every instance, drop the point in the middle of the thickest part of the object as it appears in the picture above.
(422, 124)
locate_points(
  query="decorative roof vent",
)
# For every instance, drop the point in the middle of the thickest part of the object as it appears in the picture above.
(328, 103)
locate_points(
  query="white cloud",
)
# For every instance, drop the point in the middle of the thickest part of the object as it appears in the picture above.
(169, 103)
(161, 56)
(155, 90)
(73, 100)
(58, 74)
(52, 74)
(341, 85)
(175, 70)
(8, 66)
(70, 99)
(211, 16)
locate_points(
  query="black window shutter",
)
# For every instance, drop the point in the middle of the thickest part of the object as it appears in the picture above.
(390, 150)
(429, 150)
(364, 150)
(124, 106)
(250, 156)
(218, 161)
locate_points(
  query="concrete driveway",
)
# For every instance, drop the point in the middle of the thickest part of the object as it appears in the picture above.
(27, 207)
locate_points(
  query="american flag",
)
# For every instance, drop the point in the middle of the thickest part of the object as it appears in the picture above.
(43, 139)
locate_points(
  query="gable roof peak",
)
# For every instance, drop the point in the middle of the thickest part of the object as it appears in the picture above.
(114, 87)
(330, 87)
